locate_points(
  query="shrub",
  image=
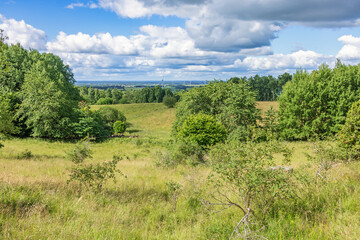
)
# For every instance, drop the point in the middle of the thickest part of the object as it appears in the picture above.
(202, 129)
(169, 101)
(349, 136)
(316, 104)
(91, 124)
(92, 176)
(111, 115)
(119, 127)
(247, 178)
(233, 104)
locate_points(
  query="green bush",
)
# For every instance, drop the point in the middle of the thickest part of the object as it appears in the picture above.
(316, 104)
(233, 104)
(349, 135)
(169, 101)
(202, 129)
(119, 127)
(111, 115)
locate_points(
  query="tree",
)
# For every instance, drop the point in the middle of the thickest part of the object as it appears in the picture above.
(111, 115)
(49, 98)
(169, 101)
(233, 104)
(316, 104)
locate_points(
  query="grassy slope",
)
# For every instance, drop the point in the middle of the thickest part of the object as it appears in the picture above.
(37, 203)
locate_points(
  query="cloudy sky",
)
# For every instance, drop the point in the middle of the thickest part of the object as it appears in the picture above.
(186, 39)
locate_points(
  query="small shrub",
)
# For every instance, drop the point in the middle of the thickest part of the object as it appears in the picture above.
(119, 127)
(26, 154)
(174, 190)
(92, 176)
(80, 152)
(202, 129)
(111, 115)
(169, 101)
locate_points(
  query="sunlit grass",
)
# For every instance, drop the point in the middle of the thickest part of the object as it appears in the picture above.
(37, 203)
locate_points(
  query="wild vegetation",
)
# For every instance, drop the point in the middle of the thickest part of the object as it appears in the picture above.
(220, 165)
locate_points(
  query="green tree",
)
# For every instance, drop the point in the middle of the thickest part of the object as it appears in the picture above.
(49, 98)
(111, 115)
(233, 104)
(169, 101)
(316, 104)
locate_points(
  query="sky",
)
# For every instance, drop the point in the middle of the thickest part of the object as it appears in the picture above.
(186, 39)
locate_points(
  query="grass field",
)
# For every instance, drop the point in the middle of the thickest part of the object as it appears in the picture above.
(37, 203)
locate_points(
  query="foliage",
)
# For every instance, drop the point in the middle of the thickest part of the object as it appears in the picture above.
(349, 136)
(104, 101)
(80, 152)
(233, 104)
(174, 190)
(267, 88)
(90, 124)
(119, 127)
(247, 177)
(91, 176)
(7, 126)
(169, 101)
(202, 129)
(316, 104)
(111, 115)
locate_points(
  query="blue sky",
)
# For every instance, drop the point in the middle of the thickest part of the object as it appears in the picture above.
(186, 39)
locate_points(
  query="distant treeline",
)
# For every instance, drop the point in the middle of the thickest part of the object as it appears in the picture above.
(268, 88)
(115, 96)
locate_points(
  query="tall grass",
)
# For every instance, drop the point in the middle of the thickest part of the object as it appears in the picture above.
(37, 203)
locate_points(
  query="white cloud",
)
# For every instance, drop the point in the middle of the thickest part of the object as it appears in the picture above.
(25, 34)
(351, 48)
(102, 43)
(300, 59)
(76, 5)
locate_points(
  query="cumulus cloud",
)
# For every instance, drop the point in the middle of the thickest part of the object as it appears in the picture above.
(300, 59)
(351, 48)
(232, 25)
(25, 34)
(102, 43)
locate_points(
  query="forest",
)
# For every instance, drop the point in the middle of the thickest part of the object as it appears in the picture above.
(246, 158)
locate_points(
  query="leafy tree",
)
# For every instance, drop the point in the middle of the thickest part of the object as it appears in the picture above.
(349, 135)
(49, 98)
(116, 95)
(111, 115)
(104, 101)
(169, 101)
(316, 104)
(7, 126)
(202, 129)
(233, 104)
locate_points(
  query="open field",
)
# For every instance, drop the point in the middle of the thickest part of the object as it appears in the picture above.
(37, 203)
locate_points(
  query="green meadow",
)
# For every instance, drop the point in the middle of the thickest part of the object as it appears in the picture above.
(36, 202)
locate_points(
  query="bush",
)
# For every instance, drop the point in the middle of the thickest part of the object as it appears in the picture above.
(202, 129)
(169, 101)
(119, 127)
(91, 124)
(316, 104)
(104, 101)
(349, 135)
(92, 176)
(111, 115)
(233, 104)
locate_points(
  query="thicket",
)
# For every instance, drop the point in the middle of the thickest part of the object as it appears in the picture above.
(315, 104)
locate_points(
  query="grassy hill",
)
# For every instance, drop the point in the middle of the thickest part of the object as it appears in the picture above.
(36, 202)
